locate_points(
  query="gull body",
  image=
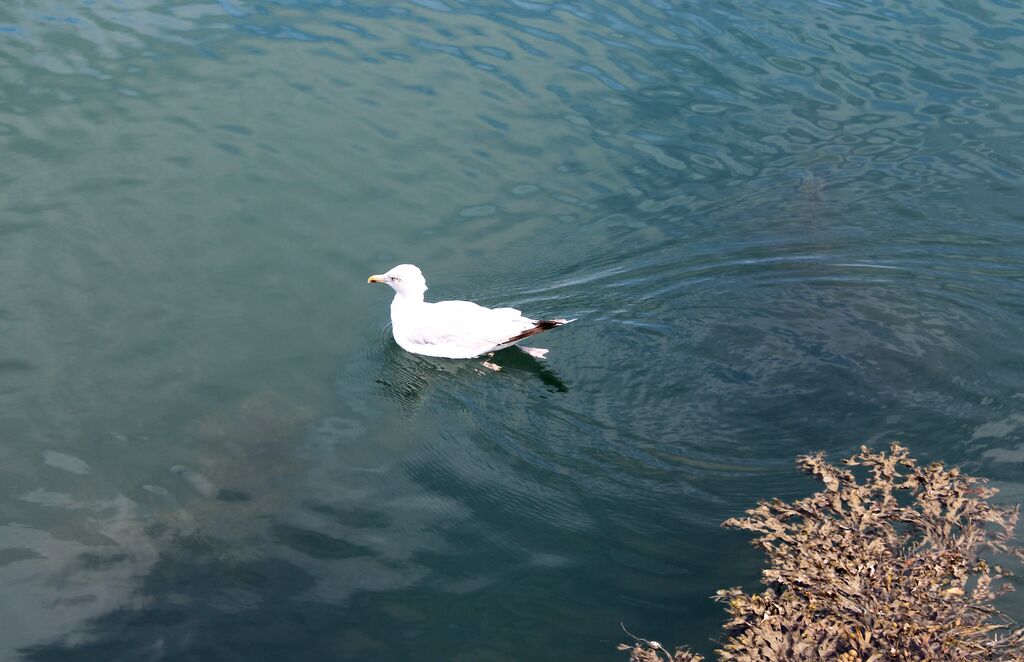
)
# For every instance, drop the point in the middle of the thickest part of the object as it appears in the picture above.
(453, 329)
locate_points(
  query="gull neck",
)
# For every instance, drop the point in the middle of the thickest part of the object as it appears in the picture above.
(407, 298)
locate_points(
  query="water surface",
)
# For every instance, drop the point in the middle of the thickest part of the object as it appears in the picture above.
(783, 228)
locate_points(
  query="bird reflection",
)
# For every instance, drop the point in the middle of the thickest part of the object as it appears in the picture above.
(408, 378)
(520, 364)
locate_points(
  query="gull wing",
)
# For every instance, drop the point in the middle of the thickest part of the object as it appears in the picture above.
(463, 329)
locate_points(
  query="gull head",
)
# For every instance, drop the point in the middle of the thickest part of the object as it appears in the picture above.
(405, 279)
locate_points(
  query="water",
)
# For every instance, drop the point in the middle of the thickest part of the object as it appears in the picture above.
(784, 228)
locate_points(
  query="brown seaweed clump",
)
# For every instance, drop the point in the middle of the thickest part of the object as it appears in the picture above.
(891, 568)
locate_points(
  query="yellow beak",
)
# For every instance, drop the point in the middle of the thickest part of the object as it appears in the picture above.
(375, 279)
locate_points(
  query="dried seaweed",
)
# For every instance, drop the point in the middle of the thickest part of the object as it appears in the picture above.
(897, 567)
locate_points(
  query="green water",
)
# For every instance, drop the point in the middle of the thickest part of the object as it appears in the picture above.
(783, 226)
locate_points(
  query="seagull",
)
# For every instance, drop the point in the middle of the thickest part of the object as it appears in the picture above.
(454, 329)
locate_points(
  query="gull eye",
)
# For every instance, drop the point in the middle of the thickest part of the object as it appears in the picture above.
(396, 279)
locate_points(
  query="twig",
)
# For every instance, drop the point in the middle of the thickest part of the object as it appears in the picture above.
(653, 645)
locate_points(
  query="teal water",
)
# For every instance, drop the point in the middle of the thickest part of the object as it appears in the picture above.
(783, 226)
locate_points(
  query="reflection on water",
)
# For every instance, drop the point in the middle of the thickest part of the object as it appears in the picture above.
(408, 378)
(783, 228)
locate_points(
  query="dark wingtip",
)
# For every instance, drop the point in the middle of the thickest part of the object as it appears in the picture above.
(539, 325)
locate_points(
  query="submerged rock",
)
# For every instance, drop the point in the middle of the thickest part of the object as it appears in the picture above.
(244, 469)
(201, 483)
(262, 418)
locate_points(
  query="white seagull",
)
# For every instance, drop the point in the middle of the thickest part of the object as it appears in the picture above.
(454, 329)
